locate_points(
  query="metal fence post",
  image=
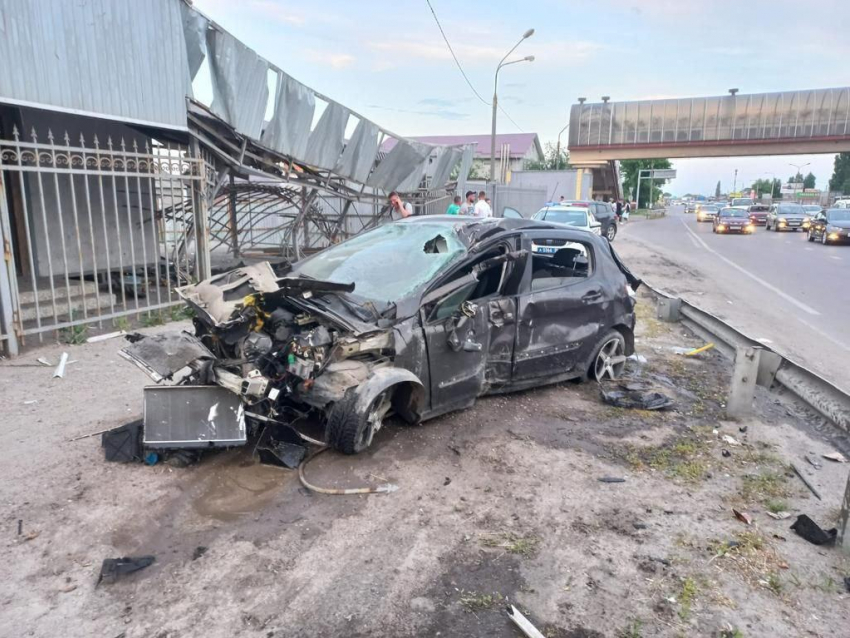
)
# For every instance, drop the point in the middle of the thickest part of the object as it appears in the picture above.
(201, 216)
(8, 283)
(844, 520)
(743, 385)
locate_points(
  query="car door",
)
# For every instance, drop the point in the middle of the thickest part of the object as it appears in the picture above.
(558, 317)
(457, 342)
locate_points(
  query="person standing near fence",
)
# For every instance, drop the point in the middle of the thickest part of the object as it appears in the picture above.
(469, 205)
(398, 208)
(482, 208)
(454, 207)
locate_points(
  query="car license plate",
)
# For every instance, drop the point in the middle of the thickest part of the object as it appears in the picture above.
(548, 250)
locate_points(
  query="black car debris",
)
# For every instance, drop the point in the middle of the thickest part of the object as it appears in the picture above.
(417, 318)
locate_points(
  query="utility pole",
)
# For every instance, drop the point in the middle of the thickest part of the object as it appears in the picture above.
(735, 182)
(651, 184)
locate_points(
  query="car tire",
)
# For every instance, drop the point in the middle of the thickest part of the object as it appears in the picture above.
(823, 239)
(609, 357)
(809, 235)
(350, 429)
(611, 233)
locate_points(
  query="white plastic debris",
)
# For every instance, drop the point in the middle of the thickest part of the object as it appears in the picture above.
(637, 357)
(60, 369)
(104, 337)
(730, 440)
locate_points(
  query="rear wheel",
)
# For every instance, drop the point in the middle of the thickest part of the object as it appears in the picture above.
(611, 232)
(609, 358)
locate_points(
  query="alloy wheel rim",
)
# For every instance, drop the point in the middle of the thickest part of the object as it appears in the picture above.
(610, 360)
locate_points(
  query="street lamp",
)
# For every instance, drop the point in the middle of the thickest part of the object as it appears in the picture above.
(799, 168)
(558, 147)
(528, 58)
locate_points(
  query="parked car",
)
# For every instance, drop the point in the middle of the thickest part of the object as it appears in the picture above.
(707, 213)
(569, 215)
(787, 217)
(831, 226)
(733, 220)
(418, 318)
(758, 214)
(604, 214)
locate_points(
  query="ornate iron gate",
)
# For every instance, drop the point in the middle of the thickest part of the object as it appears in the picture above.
(93, 230)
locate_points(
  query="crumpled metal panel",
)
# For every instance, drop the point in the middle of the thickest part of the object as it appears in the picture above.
(402, 164)
(195, 31)
(239, 82)
(465, 165)
(289, 129)
(444, 165)
(106, 58)
(359, 155)
(328, 138)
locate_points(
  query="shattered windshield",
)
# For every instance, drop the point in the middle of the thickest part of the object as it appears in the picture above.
(388, 263)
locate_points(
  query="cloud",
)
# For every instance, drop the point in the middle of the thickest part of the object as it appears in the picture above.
(440, 113)
(333, 60)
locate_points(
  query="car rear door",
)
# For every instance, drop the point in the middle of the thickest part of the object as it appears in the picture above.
(558, 318)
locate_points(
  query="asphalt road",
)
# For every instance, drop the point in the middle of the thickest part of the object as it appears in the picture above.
(776, 287)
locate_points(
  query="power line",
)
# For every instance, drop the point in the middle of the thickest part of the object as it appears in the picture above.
(460, 67)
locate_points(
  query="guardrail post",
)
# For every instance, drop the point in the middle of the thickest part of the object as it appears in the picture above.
(668, 309)
(743, 386)
(844, 520)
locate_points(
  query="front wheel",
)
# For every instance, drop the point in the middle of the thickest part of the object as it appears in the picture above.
(823, 239)
(609, 358)
(810, 235)
(350, 429)
(611, 232)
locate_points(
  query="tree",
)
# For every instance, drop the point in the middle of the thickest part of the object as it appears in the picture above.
(717, 190)
(631, 169)
(550, 162)
(809, 180)
(767, 187)
(840, 179)
(795, 179)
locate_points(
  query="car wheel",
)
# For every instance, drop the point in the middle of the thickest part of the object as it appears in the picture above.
(823, 239)
(350, 429)
(609, 358)
(810, 235)
(611, 232)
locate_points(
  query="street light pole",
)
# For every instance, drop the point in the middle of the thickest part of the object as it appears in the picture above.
(772, 185)
(558, 148)
(529, 58)
(799, 168)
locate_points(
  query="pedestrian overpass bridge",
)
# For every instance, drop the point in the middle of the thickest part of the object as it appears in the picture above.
(789, 123)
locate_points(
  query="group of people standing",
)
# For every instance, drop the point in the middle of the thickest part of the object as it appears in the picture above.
(472, 207)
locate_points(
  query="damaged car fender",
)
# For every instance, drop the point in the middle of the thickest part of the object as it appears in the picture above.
(408, 395)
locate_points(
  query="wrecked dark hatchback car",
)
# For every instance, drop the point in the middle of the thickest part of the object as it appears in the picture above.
(417, 317)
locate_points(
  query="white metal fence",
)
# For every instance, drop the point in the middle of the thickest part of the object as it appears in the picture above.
(92, 230)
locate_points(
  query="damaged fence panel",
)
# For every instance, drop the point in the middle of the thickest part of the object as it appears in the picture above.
(239, 81)
(327, 139)
(359, 155)
(289, 129)
(400, 162)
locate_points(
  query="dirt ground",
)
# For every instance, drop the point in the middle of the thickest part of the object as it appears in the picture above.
(499, 504)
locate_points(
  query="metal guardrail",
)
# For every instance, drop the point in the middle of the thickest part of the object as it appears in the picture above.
(775, 368)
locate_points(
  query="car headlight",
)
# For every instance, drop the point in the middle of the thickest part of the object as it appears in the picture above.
(721, 227)
(782, 220)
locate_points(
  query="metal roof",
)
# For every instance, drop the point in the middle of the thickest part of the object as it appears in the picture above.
(106, 58)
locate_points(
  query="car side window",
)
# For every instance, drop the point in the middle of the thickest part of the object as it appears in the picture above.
(559, 262)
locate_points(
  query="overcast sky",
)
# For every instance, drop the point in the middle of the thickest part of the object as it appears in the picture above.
(387, 60)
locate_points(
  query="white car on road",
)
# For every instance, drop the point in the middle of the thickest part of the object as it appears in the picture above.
(573, 216)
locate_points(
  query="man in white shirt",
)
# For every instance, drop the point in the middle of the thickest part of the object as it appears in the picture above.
(482, 208)
(398, 208)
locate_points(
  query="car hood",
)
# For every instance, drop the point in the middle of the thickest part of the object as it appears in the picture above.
(796, 218)
(733, 221)
(840, 224)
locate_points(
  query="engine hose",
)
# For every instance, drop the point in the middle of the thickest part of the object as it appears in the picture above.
(382, 489)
